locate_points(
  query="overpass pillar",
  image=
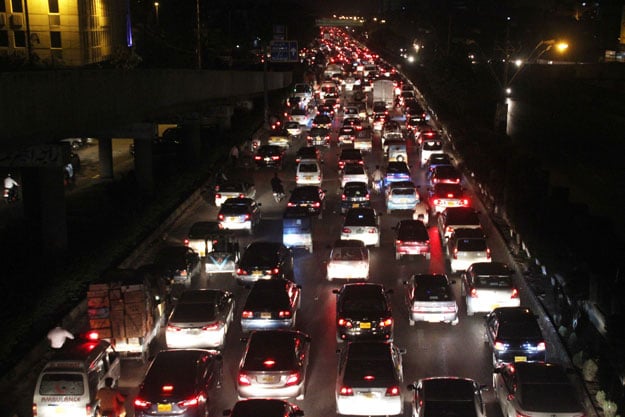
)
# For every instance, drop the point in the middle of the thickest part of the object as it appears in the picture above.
(144, 165)
(105, 157)
(224, 117)
(191, 140)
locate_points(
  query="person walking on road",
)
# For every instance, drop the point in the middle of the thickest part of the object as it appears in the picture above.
(111, 400)
(58, 336)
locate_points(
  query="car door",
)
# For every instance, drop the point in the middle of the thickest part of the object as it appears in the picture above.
(506, 390)
(492, 327)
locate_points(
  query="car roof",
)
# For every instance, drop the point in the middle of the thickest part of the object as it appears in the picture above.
(528, 372)
(490, 269)
(402, 184)
(430, 279)
(173, 251)
(275, 345)
(448, 389)
(462, 214)
(238, 201)
(201, 296)
(254, 407)
(176, 367)
(468, 233)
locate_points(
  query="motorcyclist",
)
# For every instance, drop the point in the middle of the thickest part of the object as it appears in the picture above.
(11, 186)
(377, 177)
(276, 184)
(111, 400)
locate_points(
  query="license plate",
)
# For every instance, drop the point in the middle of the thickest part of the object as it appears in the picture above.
(265, 315)
(356, 205)
(520, 358)
(257, 273)
(193, 331)
(403, 200)
(267, 159)
(365, 325)
(268, 379)
(368, 395)
(59, 410)
(308, 177)
(360, 230)
(163, 408)
(233, 219)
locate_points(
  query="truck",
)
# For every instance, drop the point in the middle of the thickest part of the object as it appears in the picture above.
(384, 90)
(127, 310)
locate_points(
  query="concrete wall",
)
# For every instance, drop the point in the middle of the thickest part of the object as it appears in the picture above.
(40, 107)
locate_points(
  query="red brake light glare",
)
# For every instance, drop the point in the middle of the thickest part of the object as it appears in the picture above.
(247, 314)
(346, 391)
(244, 380)
(189, 403)
(167, 388)
(369, 377)
(392, 391)
(473, 293)
(141, 403)
(221, 216)
(269, 363)
(284, 314)
(293, 379)
(515, 293)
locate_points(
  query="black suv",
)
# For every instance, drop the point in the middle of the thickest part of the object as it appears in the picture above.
(363, 312)
(355, 195)
(447, 396)
(412, 238)
(178, 263)
(269, 156)
(264, 260)
(514, 335)
(178, 383)
(350, 156)
(309, 196)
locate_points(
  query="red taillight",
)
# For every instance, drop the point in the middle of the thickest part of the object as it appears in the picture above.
(93, 335)
(241, 271)
(34, 410)
(167, 388)
(455, 255)
(318, 177)
(275, 157)
(186, 242)
(247, 314)
(393, 391)
(257, 157)
(346, 230)
(541, 346)
(487, 253)
(465, 201)
(345, 391)
(213, 326)
(316, 204)
(244, 379)
(367, 197)
(141, 403)
(386, 322)
(373, 230)
(293, 379)
(171, 328)
(398, 243)
(221, 216)
(473, 293)
(275, 271)
(217, 195)
(284, 314)
(241, 195)
(344, 323)
(290, 204)
(247, 217)
(343, 197)
(191, 402)
(515, 293)
(361, 162)
(499, 345)
(88, 410)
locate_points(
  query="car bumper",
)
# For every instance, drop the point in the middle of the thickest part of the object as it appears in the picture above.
(236, 225)
(248, 325)
(314, 181)
(519, 356)
(434, 317)
(369, 239)
(214, 268)
(185, 340)
(297, 241)
(258, 391)
(360, 405)
(385, 333)
(347, 273)
(413, 250)
(463, 264)
(486, 306)
(395, 205)
(346, 205)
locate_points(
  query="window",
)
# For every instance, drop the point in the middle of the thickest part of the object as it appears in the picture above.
(20, 39)
(53, 6)
(4, 37)
(3, 6)
(55, 39)
(16, 6)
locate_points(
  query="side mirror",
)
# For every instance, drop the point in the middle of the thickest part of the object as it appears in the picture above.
(335, 291)
(412, 386)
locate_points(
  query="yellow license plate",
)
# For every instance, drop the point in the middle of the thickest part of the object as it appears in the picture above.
(356, 205)
(162, 408)
(365, 325)
(257, 273)
(368, 394)
(265, 315)
(59, 410)
(520, 358)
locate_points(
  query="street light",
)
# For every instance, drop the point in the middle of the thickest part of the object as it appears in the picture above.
(156, 11)
(539, 50)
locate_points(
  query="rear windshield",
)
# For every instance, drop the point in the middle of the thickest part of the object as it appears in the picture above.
(355, 191)
(471, 245)
(432, 290)
(348, 254)
(351, 155)
(396, 168)
(432, 145)
(278, 348)
(520, 329)
(494, 282)
(403, 191)
(360, 218)
(193, 312)
(374, 372)
(354, 170)
(234, 208)
(61, 384)
(267, 299)
(557, 398)
(308, 168)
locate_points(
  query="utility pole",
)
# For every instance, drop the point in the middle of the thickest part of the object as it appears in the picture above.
(198, 46)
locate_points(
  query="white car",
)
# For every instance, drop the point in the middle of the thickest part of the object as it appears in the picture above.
(354, 173)
(431, 143)
(308, 172)
(351, 111)
(467, 246)
(361, 224)
(293, 128)
(489, 285)
(234, 189)
(349, 259)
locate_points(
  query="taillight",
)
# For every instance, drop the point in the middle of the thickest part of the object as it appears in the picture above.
(241, 271)
(257, 157)
(296, 178)
(275, 271)
(171, 328)
(373, 230)
(217, 195)
(247, 217)
(449, 229)
(247, 314)
(437, 201)
(455, 255)
(220, 216)
(290, 204)
(318, 177)
(367, 197)
(487, 253)
(361, 162)
(541, 346)
(386, 322)
(213, 326)
(346, 230)
(293, 379)
(241, 195)
(499, 345)
(343, 197)
(244, 379)
(34, 410)
(515, 293)
(344, 323)
(316, 204)
(473, 293)
(141, 403)
(191, 402)
(392, 391)
(275, 157)
(345, 391)
(284, 314)
(465, 201)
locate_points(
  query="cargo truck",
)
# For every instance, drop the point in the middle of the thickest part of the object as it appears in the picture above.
(384, 90)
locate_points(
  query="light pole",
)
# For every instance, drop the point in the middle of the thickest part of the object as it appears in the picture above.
(539, 50)
(156, 11)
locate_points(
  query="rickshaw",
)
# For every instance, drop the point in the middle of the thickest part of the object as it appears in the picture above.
(224, 255)
(397, 152)
(297, 228)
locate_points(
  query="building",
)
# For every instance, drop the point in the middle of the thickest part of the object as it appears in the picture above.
(64, 32)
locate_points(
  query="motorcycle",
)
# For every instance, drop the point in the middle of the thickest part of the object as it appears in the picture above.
(10, 195)
(278, 196)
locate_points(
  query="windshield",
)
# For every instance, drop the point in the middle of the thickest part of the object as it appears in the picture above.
(61, 384)
(360, 218)
(494, 282)
(354, 170)
(347, 254)
(432, 145)
(308, 168)
(403, 191)
(471, 245)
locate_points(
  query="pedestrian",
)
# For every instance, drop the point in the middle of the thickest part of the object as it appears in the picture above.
(234, 155)
(69, 173)
(111, 400)
(58, 336)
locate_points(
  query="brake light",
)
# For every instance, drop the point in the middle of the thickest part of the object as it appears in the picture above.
(275, 157)
(392, 391)
(247, 217)
(346, 230)
(275, 271)
(515, 293)
(257, 157)
(171, 328)
(473, 293)
(373, 230)
(465, 201)
(344, 323)
(284, 314)
(487, 253)
(499, 345)
(220, 216)
(241, 271)
(217, 195)
(437, 201)
(213, 326)
(191, 402)
(361, 162)
(398, 243)
(293, 379)
(186, 242)
(93, 335)
(316, 204)
(386, 322)
(346, 391)
(290, 204)
(455, 253)
(343, 197)
(541, 346)
(141, 403)
(367, 196)
(246, 314)
(35, 409)
(241, 195)
(244, 379)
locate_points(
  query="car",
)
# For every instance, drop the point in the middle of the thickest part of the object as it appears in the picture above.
(325, 109)
(303, 91)
(269, 156)
(430, 142)
(271, 304)
(274, 365)
(362, 224)
(267, 407)
(299, 115)
(488, 285)
(309, 196)
(379, 108)
(178, 263)
(354, 122)
(369, 379)
(395, 150)
(466, 246)
(456, 217)
(349, 259)
(233, 189)
(355, 195)
(429, 298)
(363, 311)
(279, 137)
(444, 174)
(444, 195)
(351, 111)
(411, 238)
(406, 95)
(396, 171)
(353, 173)
(346, 135)
(439, 158)
(391, 126)
(323, 121)
(307, 152)
(447, 396)
(200, 319)
(264, 260)
(364, 140)
(413, 123)
(378, 121)
(350, 155)
(240, 214)
(308, 172)
(179, 382)
(199, 236)
(293, 128)
(514, 335)
(537, 389)
(318, 136)
(402, 195)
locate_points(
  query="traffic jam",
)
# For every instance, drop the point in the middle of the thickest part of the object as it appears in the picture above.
(345, 268)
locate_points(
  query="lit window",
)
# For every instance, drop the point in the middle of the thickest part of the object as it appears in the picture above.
(3, 6)
(20, 38)
(55, 39)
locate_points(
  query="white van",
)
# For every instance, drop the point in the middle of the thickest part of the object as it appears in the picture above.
(68, 383)
(308, 172)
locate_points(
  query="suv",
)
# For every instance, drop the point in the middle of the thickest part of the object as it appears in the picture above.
(447, 396)
(270, 305)
(350, 156)
(318, 136)
(514, 335)
(178, 263)
(456, 217)
(466, 246)
(178, 383)
(401, 195)
(363, 311)
(355, 195)
(239, 214)
(412, 239)
(488, 285)
(310, 197)
(264, 260)
(269, 156)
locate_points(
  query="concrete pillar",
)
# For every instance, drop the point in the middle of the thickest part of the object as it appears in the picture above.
(45, 208)
(144, 164)
(191, 140)
(224, 117)
(105, 158)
